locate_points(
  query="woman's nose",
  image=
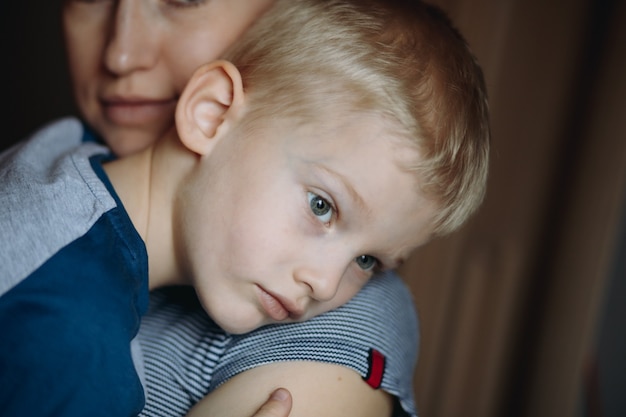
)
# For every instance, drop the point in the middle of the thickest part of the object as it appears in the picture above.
(133, 41)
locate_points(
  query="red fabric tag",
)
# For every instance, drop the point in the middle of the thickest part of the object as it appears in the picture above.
(376, 369)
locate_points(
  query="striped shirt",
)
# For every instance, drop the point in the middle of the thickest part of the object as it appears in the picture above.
(186, 355)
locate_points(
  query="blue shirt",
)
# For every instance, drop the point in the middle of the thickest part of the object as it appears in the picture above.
(74, 282)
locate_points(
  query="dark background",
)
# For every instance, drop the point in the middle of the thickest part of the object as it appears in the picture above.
(36, 85)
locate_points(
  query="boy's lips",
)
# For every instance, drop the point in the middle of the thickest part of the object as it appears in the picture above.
(276, 307)
(137, 111)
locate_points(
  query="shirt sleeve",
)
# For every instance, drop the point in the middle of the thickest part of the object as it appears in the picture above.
(375, 334)
(186, 355)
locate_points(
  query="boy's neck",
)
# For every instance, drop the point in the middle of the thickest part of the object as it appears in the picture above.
(146, 183)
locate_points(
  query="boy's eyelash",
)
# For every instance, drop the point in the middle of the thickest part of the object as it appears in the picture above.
(333, 207)
(378, 266)
(185, 4)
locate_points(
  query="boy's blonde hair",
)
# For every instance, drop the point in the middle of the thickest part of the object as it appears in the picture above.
(399, 59)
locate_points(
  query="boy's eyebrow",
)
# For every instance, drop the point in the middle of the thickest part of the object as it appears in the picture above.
(345, 184)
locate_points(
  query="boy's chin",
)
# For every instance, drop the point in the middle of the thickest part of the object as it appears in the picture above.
(239, 326)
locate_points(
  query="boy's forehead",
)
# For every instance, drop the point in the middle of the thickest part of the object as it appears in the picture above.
(336, 135)
(359, 162)
(362, 130)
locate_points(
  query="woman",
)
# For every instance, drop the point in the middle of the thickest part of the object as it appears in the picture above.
(129, 61)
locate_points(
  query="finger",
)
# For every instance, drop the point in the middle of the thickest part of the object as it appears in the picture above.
(278, 405)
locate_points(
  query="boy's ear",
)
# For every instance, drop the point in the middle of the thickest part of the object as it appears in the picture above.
(209, 104)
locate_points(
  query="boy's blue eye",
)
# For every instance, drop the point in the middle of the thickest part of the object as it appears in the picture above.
(320, 207)
(366, 262)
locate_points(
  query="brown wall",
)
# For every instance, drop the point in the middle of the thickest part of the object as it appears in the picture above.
(509, 305)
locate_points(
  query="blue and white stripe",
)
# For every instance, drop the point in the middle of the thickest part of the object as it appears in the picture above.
(186, 355)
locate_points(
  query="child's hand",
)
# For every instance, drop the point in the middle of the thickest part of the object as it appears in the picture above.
(278, 405)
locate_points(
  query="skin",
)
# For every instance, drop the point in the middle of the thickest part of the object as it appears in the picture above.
(243, 210)
(284, 223)
(278, 404)
(259, 254)
(343, 391)
(130, 59)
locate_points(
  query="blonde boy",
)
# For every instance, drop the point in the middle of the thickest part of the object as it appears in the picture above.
(333, 140)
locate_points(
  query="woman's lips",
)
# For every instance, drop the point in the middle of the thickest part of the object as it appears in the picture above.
(133, 112)
(272, 306)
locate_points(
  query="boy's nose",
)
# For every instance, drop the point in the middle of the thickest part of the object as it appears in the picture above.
(133, 41)
(322, 276)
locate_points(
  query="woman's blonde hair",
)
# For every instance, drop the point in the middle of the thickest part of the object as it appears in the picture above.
(401, 59)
